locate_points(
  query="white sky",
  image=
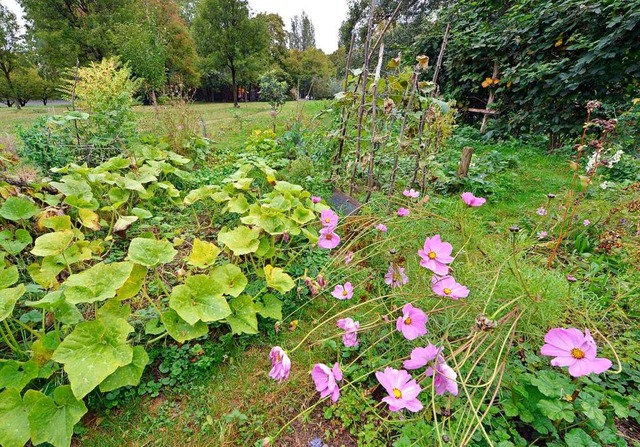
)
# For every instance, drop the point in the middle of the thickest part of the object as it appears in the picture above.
(326, 15)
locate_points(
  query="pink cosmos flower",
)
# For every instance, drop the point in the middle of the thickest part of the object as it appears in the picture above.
(316, 199)
(403, 390)
(447, 286)
(571, 278)
(328, 238)
(542, 234)
(329, 219)
(382, 228)
(422, 356)
(411, 193)
(402, 212)
(325, 379)
(280, 364)
(471, 200)
(573, 349)
(586, 222)
(436, 255)
(343, 292)
(350, 336)
(395, 276)
(542, 211)
(348, 257)
(412, 323)
(444, 379)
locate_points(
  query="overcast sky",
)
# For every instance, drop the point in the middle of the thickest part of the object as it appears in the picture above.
(326, 15)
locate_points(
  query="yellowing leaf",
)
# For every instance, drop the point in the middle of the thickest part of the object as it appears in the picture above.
(203, 254)
(89, 219)
(277, 279)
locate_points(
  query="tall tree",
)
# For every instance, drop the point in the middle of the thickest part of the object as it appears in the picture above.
(158, 46)
(277, 36)
(228, 39)
(11, 47)
(70, 30)
(303, 33)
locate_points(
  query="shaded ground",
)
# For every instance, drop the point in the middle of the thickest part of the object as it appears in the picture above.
(313, 430)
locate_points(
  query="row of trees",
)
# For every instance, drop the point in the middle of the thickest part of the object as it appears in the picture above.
(212, 45)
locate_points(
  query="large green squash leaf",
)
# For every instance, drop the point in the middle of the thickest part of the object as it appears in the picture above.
(277, 279)
(8, 299)
(46, 273)
(8, 276)
(151, 252)
(17, 374)
(271, 307)
(93, 351)
(54, 302)
(52, 244)
(230, 278)
(241, 240)
(128, 375)
(134, 283)
(238, 204)
(180, 330)
(244, 319)
(14, 416)
(203, 254)
(199, 299)
(52, 420)
(98, 283)
(302, 215)
(18, 208)
(14, 243)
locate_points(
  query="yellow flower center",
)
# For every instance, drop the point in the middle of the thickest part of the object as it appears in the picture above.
(577, 353)
(327, 220)
(345, 293)
(407, 321)
(278, 357)
(432, 255)
(447, 291)
(397, 393)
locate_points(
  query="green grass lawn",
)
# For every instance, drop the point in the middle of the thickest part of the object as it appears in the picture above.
(220, 119)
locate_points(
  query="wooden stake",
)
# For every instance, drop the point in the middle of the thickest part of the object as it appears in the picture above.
(465, 161)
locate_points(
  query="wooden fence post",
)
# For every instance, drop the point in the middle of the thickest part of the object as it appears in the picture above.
(465, 161)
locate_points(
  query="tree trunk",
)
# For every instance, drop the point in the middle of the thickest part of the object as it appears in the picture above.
(234, 86)
(154, 100)
(16, 100)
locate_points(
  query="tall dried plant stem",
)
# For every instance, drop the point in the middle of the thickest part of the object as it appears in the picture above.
(485, 118)
(436, 71)
(363, 97)
(344, 117)
(374, 143)
(394, 171)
